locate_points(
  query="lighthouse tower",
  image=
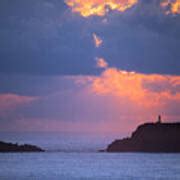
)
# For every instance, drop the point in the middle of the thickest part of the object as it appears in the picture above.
(159, 119)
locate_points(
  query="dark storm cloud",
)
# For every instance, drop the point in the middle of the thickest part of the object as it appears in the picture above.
(38, 37)
(45, 37)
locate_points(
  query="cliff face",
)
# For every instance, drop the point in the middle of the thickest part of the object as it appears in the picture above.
(150, 137)
(9, 147)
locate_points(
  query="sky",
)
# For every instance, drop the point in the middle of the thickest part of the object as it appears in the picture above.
(98, 66)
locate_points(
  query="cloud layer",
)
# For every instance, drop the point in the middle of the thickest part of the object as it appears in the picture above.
(115, 101)
(54, 41)
(99, 7)
(49, 79)
(88, 8)
(171, 6)
(97, 40)
(145, 90)
(101, 63)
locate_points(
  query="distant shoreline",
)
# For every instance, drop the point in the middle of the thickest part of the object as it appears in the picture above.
(6, 147)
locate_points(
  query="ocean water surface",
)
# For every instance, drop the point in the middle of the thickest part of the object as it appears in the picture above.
(89, 166)
(75, 157)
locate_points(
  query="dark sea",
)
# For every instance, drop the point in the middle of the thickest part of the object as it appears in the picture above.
(75, 157)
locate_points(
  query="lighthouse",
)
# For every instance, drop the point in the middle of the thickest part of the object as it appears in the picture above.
(159, 119)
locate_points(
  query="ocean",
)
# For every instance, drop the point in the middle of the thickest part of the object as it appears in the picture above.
(89, 166)
(76, 158)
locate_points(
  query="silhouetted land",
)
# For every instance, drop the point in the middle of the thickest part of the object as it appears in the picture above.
(150, 137)
(10, 147)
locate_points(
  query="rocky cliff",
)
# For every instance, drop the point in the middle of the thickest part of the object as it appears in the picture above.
(150, 137)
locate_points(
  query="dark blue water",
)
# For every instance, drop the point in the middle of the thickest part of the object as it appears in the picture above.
(89, 166)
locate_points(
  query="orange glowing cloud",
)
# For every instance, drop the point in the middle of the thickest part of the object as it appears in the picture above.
(147, 90)
(171, 6)
(101, 63)
(99, 7)
(97, 40)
